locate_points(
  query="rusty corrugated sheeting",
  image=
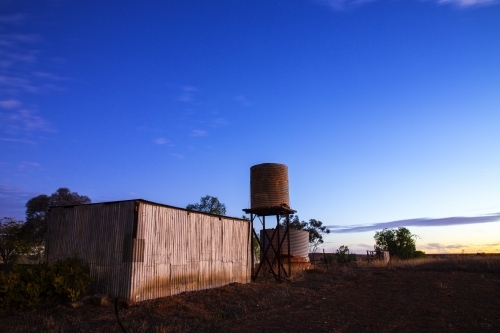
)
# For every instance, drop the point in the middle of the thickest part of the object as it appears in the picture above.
(299, 243)
(269, 185)
(158, 250)
(97, 234)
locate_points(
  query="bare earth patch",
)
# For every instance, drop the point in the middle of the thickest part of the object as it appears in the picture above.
(345, 299)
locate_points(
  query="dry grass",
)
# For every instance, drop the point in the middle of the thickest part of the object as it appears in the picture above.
(450, 293)
(448, 263)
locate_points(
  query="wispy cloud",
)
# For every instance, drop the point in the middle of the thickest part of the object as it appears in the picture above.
(10, 104)
(468, 3)
(49, 76)
(243, 100)
(29, 166)
(179, 156)
(342, 4)
(219, 122)
(419, 222)
(187, 94)
(13, 201)
(458, 248)
(198, 133)
(20, 80)
(13, 18)
(23, 121)
(162, 141)
(26, 141)
(21, 125)
(16, 84)
(442, 246)
(338, 5)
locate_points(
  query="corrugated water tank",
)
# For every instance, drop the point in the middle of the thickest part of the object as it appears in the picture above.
(269, 185)
(299, 243)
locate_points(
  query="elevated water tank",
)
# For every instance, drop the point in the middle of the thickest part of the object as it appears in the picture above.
(299, 244)
(269, 185)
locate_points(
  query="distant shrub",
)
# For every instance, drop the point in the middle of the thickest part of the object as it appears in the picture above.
(29, 286)
(418, 255)
(344, 256)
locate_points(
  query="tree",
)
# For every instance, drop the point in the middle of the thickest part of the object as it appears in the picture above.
(12, 245)
(399, 242)
(208, 204)
(315, 228)
(38, 207)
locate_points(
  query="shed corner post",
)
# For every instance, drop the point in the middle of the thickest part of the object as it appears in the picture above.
(250, 234)
(288, 241)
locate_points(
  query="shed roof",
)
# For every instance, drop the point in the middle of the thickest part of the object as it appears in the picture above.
(151, 203)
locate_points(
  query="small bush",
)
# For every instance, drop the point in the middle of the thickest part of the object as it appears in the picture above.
(344, 256)
(28, 286)
(418, 255)
(25, 286)
(70, 278)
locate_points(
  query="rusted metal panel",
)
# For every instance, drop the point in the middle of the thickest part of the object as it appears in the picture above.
(98, 235)
(187, 250)
(140, 250)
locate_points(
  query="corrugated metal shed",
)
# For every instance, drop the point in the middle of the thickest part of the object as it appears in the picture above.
(139, 250)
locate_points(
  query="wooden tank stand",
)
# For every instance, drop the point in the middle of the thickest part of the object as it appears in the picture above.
(261, 214)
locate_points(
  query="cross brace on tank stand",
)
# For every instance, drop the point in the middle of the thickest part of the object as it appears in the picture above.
(266, 244)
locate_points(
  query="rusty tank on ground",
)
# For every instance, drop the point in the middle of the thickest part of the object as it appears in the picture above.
(299, 244)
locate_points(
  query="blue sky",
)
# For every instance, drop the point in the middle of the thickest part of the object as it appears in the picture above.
(387, 113)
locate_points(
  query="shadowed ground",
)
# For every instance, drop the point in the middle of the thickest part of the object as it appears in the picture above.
(358, 298)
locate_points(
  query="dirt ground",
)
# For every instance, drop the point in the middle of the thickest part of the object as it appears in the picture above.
(339, 300)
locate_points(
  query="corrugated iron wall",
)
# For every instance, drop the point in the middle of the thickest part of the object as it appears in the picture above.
(98, 234)
(186, 250)
(140, 250)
